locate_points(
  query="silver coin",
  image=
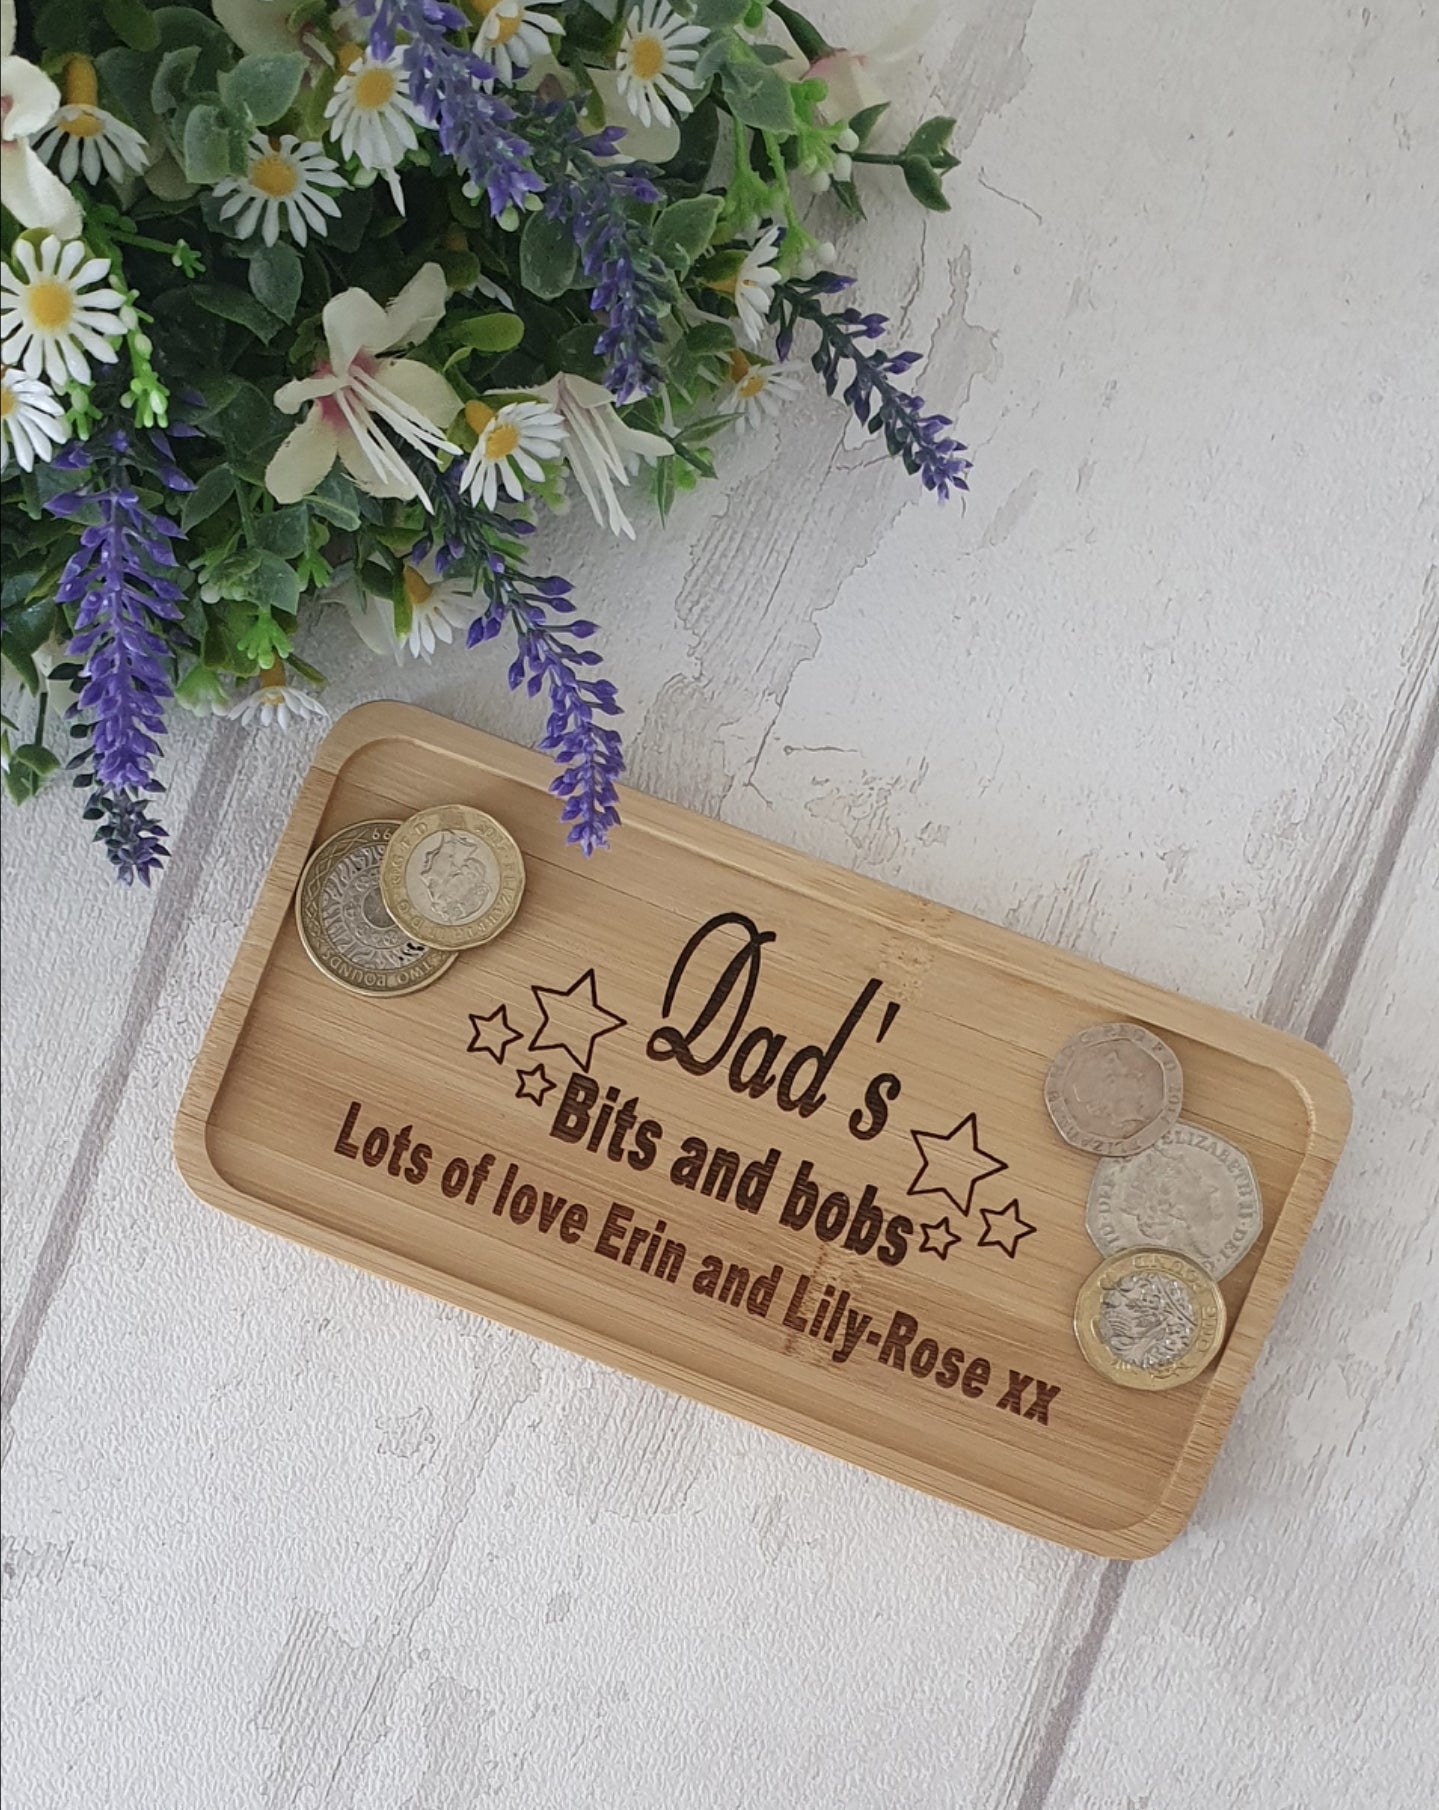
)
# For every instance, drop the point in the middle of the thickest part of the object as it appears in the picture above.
(1191, 1192)
(344, 925)
(1114, 1090)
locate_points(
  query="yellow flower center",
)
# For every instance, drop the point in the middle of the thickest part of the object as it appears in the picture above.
(752, 385)
(504, 29)
(8, 402)
(501, 440)
(478, 416)
(417, 587)
(81, 89)
(274, 175)
(84, 124)
(350, 54)
(374, 89)
(50, 305)
(647, 56)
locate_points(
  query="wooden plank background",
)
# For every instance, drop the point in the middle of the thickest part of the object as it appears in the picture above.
(1164, 692)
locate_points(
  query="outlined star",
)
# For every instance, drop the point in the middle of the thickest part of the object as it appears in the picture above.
(952, 1163)
(574, 1020)
(940, 1238)
(1004, 1227)
(492, 1038)
(534, 1084)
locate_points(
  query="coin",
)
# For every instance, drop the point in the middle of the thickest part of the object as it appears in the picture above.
(452, 876)
(343, 923)
(1114, 1089)
(1191, 1192)
(1150, 1319)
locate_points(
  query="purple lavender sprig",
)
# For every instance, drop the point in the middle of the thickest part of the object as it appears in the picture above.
(918, 440)
(449, 84)
(593, 196)
(589, 752)
(126, 606)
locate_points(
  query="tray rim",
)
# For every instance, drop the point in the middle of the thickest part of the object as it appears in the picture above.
(1313, 1075)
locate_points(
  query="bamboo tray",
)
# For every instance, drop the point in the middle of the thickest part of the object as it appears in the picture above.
(905, 1301)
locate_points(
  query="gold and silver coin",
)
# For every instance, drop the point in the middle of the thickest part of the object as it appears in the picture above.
(1114, 1090)
(1191, 1192)
(343, 923)
(1150, 1320)
(452, 877)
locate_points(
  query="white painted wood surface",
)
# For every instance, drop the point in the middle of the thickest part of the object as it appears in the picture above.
(1165, 691)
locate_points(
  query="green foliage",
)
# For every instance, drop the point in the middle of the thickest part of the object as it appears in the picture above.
(548, 257)
(685, 228)
(217, 323)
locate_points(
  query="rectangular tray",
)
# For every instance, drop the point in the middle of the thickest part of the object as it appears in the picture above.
(966, 1381)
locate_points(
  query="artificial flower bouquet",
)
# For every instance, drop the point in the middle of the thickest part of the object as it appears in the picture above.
(305, 305)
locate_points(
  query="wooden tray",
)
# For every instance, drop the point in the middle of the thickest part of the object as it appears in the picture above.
(961, 1231)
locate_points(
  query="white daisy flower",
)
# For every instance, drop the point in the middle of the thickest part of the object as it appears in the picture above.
(356, 388)
(275, 704)
(754, 285)
(756, 391)
(53, 314)
(656, 63)
(512, 35)
(512, 441)
(437, 608)
(371, 115)
(88, 138)
(28, 99)
(283, 174)
(597, 444)
(32, 421)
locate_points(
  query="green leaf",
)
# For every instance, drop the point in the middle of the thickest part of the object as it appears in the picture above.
(282, 532)
(808, 41)
(758, 97)
(24, 664)
(125, 83)
(233, 304)
(548, 256)
(272, 589)
(171, 84)
(716, 13)
(248, 423)
(213, 490)
(65, 25)
(276, 274)
(29, 626)
(930, 139)
(206, 145)
(924, 184)
(865, 121)
(334, 499)
(490, 332)
(132, 22)
(685, 228)
(37, 757)
(265, 85)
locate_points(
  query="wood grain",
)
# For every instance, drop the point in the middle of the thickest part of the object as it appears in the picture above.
(295, 1074)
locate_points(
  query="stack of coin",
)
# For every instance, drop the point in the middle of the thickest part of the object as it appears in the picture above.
(384, 907)
(1172, 1208)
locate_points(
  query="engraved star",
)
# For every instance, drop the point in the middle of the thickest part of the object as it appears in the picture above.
(953, 1163)
(574, 1020)
(940, 1238)
(534, 1084)
(1004, 1227)
(491, 1038)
